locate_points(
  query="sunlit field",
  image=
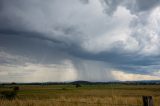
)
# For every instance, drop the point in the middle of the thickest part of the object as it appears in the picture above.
(86, 95)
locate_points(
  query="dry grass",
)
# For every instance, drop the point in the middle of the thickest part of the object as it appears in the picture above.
(63, 101)
(85, 96)
(79, 101)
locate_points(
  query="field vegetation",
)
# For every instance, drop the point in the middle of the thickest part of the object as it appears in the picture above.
(85, 95)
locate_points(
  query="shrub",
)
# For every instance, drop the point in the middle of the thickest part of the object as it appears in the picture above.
(78, 85)
(64, 88)
(16, 88)
(8, 94)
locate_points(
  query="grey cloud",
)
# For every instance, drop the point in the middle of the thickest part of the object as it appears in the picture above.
(50, 32)
(84, 1)
(134, 6)
(111, 6)
(145, 5)
(41, 51)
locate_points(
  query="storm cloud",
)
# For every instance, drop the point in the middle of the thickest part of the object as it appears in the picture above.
(55, 40)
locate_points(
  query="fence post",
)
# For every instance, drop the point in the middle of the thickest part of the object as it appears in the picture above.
(147, 101)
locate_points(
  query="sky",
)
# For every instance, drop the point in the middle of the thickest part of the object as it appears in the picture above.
(68, 40)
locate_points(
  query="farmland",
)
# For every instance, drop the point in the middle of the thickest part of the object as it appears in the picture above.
(86, 95)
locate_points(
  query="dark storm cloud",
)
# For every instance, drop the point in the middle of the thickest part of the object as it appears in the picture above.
(28, 34)
(132, 63)
(38, 49)
(18, 32)
(49, 32)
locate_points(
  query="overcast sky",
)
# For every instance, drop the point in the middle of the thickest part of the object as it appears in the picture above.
(67, 40)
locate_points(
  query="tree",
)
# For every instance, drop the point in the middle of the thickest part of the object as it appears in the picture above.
(78, 85)
(16, 88)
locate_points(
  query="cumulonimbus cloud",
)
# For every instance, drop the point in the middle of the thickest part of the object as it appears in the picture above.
(122, 35)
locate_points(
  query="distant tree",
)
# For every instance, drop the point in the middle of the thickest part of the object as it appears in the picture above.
(16, 88)
(3, 84)
(78, 85)
(13, 83)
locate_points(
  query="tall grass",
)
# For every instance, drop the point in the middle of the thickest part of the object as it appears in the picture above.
(98, 95)
(79, 101)
(72, 101)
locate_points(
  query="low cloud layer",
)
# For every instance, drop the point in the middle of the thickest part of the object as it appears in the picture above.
(55, 40)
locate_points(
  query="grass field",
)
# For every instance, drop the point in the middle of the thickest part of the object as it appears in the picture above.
(87, 95)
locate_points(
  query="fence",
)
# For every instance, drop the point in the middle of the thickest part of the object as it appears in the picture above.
(147, 101)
